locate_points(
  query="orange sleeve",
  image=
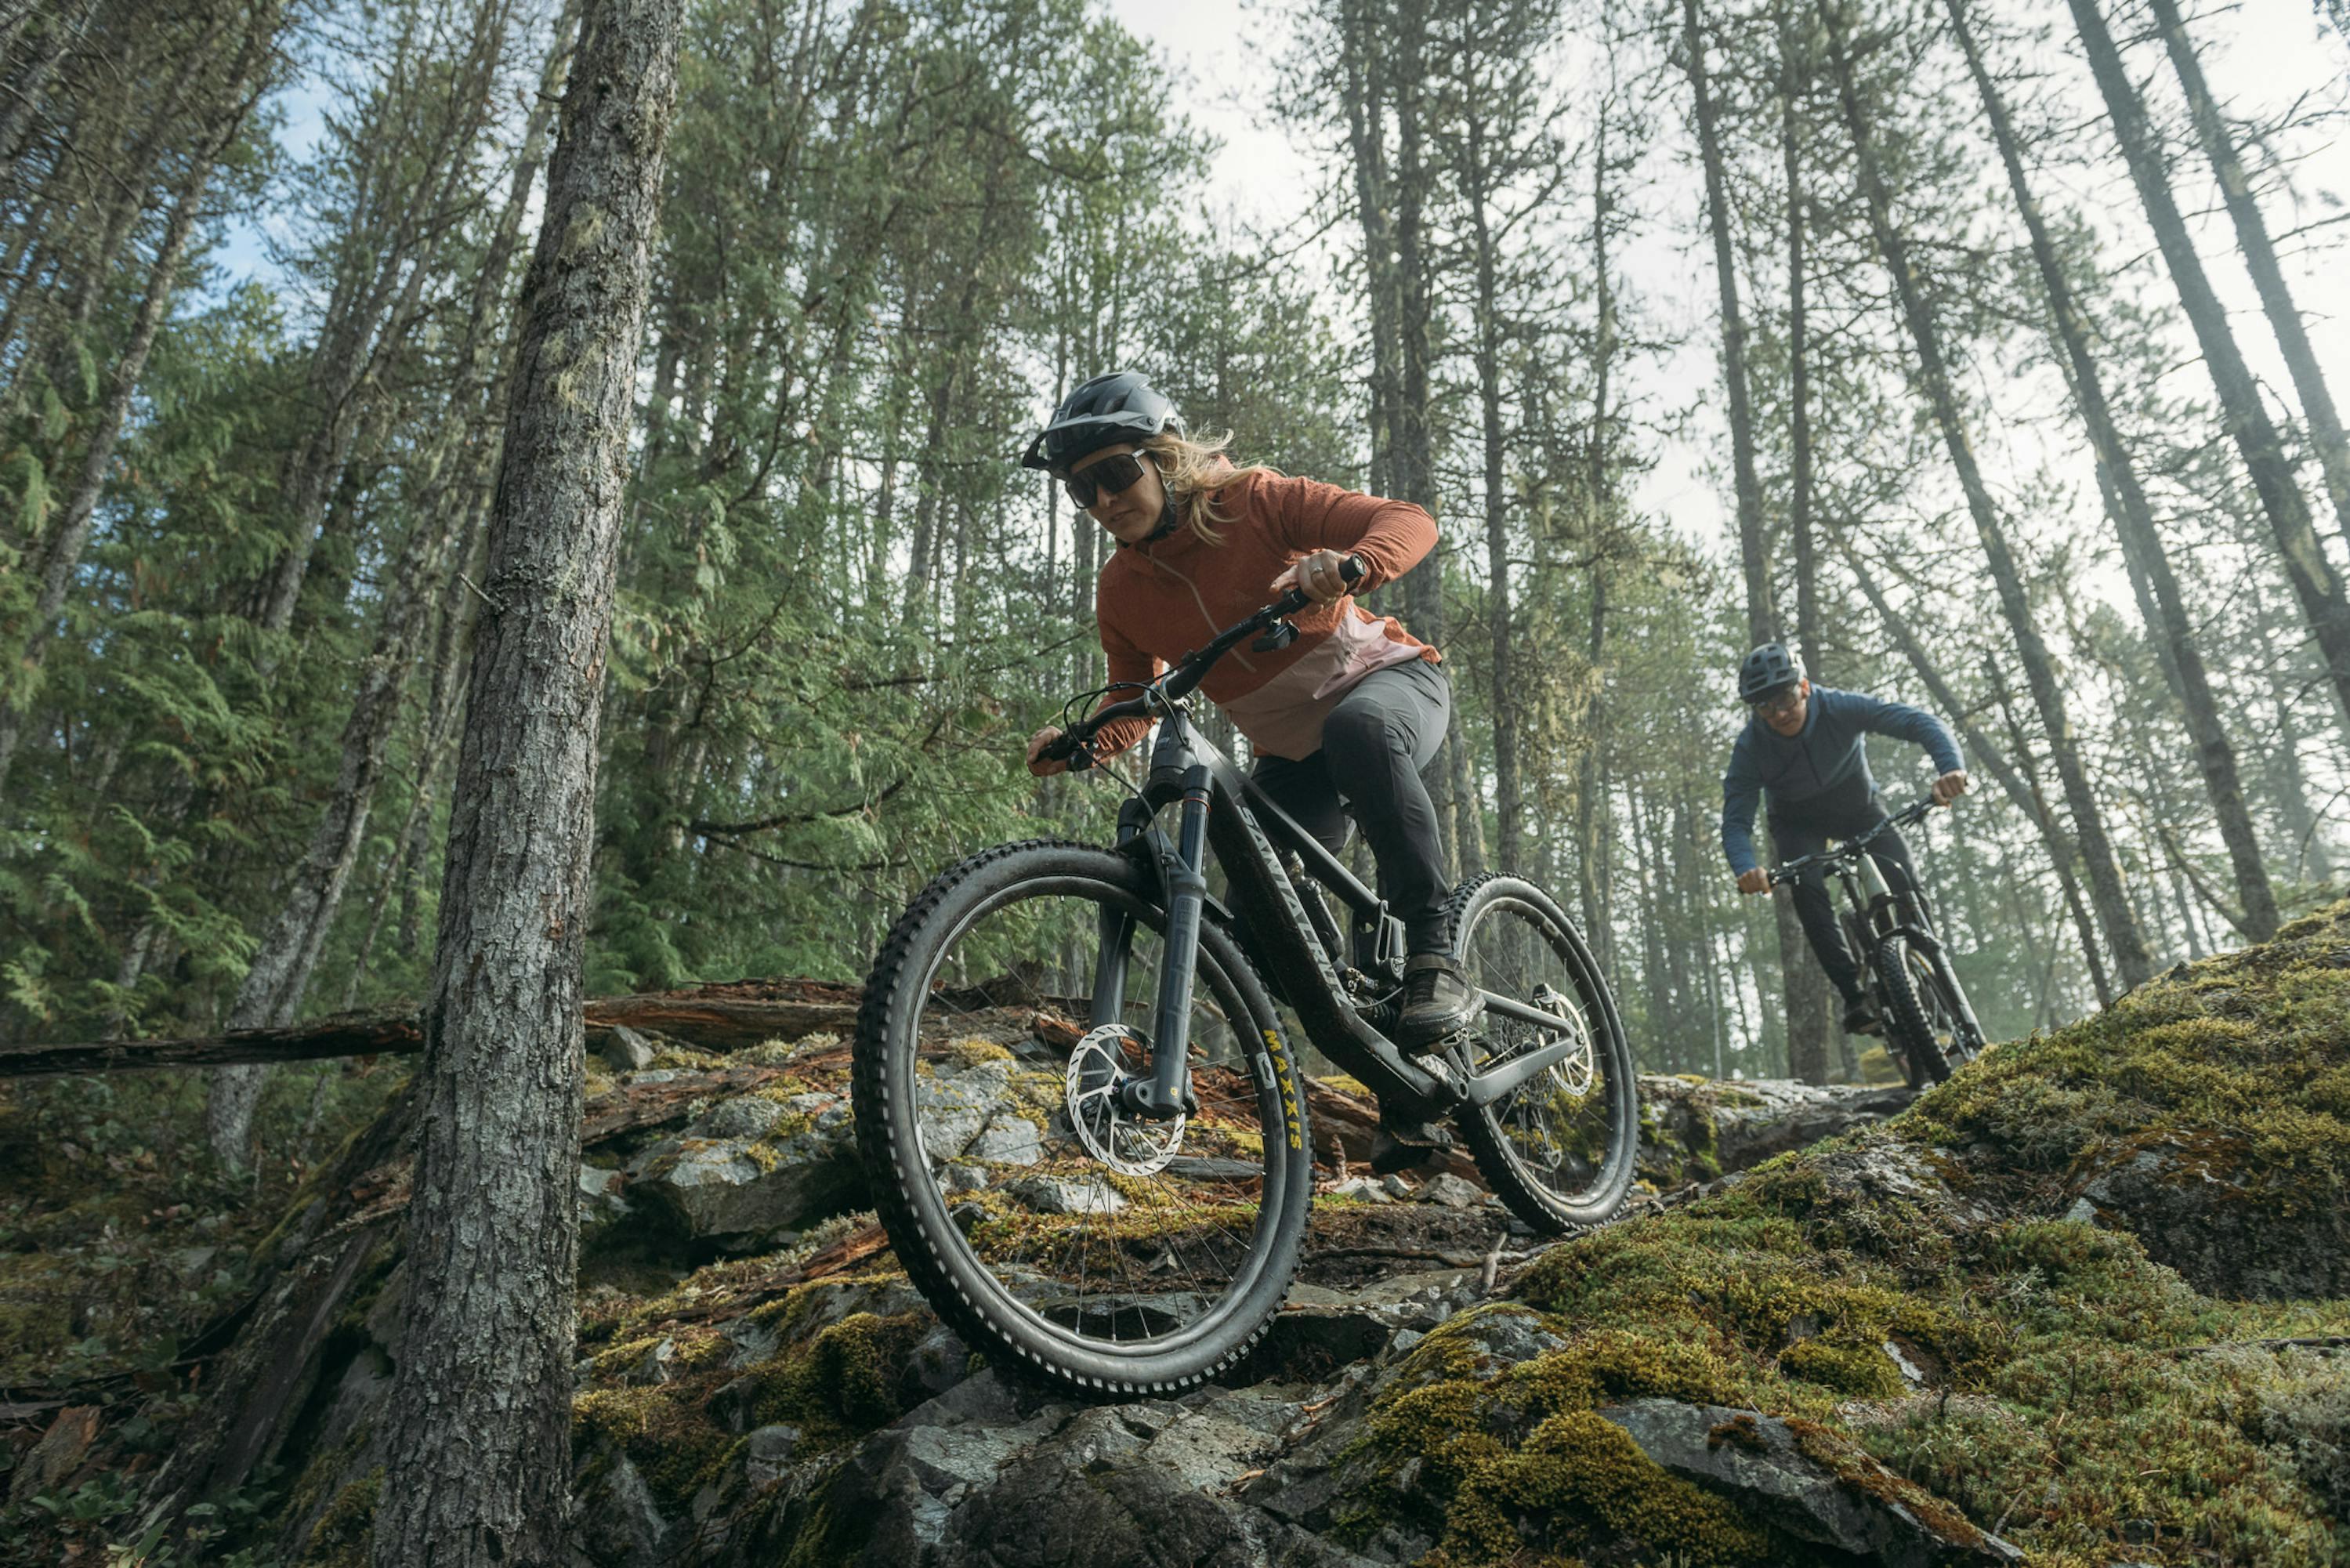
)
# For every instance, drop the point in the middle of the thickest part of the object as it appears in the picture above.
(1127, 663)
(1305, 515)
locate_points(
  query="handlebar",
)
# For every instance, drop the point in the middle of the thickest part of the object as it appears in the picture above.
(1851, 849)
(1181, 679)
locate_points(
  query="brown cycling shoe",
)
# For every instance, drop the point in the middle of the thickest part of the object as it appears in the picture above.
(1438, 1001)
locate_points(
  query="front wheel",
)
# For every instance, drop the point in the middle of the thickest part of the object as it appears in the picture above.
(1559, 1150)
(1921, 1018)
(1110, 1255)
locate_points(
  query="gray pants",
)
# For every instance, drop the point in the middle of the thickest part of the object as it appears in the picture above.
(1383, 732)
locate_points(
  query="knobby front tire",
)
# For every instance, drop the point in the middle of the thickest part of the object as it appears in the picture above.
(1559, 1152)
(1076, 1262)
(1919, 1016)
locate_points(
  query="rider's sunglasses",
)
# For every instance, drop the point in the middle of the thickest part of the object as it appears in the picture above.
(1779, 703)
(1113, 475)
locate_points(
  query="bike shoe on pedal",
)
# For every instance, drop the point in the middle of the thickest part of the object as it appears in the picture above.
(1860, 1015)
(1438, 1001)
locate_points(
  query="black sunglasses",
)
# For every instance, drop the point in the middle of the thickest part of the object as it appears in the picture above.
(1112, 475)
(1782, 700)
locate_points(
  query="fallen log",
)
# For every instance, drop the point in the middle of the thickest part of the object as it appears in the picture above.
(715, 1017)
(385, 1032)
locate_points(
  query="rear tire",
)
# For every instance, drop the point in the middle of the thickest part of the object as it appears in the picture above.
(1559, 1152)
(1186, 1260)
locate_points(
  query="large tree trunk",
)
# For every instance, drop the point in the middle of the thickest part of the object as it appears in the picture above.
(1932, 380)
(1806, 990)
(2261, 260)
(480, 1413)
(2313, 578)
(63, 554)
(2133, 516)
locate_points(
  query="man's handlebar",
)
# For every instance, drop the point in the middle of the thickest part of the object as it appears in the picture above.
(1914, 812)
(1184, 677)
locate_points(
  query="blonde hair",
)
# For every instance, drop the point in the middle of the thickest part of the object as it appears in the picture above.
(1193, 470)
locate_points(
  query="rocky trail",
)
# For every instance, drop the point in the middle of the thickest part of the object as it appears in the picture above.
(2083, 1305)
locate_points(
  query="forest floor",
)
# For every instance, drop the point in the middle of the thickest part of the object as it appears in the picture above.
(2083, 1305)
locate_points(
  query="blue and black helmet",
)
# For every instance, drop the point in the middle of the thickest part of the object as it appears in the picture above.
(1770, 667)
(1122, 406)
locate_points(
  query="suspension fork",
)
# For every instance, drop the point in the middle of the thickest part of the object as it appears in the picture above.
(1167, 1092)
(1114, 930)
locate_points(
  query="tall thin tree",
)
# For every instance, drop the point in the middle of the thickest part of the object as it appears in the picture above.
(477, 1470)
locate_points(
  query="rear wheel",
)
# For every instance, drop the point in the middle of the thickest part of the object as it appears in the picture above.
(1921, 1017)
(1559, 1150)
(1051, 1230)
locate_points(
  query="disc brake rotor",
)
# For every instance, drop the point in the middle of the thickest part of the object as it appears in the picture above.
(1099, 1064)
(1575, 1071)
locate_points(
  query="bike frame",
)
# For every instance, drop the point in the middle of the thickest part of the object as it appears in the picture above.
(1878, 915)
(1222, 811)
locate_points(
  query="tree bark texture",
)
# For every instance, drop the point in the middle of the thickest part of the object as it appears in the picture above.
(2314, 580)
(478, 1470)
(2133, 515)
(1933, 384)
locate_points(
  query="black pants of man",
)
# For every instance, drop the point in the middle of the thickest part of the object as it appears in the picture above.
(1806, 829)
(1380, 735)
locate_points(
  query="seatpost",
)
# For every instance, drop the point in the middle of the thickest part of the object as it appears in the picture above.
(1168, 1091)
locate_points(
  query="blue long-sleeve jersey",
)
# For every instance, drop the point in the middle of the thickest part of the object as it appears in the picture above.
(1825, 756)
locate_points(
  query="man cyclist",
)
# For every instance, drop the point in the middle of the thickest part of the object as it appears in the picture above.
(1803, 748)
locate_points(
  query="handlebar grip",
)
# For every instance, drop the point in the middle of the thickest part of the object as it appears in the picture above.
(1068, 746)
(1352, 569)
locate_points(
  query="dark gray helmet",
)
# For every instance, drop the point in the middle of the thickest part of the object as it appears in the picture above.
(1770, 667)
(1107, 411)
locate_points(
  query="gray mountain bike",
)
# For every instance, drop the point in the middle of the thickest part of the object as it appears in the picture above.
(1929, 1028)
(1077, 1097)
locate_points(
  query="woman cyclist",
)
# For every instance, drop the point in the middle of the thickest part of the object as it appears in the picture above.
(1342, 719)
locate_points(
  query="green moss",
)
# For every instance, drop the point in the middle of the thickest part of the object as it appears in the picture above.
(842, 1384)
(1860, 1371)
(344, 1536)
(662, 1429)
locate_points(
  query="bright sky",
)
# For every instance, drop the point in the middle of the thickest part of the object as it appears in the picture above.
(2261, 54)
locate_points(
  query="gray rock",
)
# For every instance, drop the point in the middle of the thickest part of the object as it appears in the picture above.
(961, 1178)
(1453, 1192)
(1753, 1460)
(658, 1364)
(743, 1116)
(736, 1189)
(936, 1365)
(1008, 1140)
(625, 1050)
(1366, 1189)
(1395, 1187)
(767, 1453)
(617, 1524)
(1064, 1195)
(955, 1104)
